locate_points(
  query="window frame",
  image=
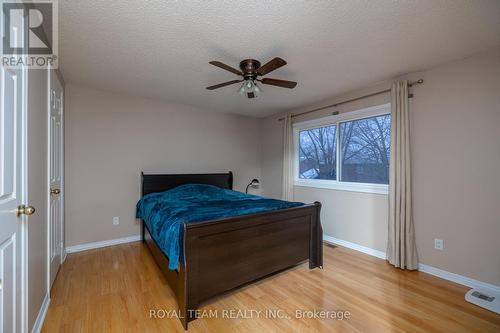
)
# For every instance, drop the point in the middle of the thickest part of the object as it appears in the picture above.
(373, 111)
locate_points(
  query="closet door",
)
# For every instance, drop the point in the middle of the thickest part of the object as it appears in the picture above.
(13, 208)
(56, 142)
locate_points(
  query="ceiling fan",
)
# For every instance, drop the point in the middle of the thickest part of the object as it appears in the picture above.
(250, 70)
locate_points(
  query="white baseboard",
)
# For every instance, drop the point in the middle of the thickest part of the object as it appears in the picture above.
(37, 326)
(353, 246)
(460, 279)
(96, 245)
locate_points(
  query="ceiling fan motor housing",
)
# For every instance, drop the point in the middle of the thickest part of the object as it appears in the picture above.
(249, 68)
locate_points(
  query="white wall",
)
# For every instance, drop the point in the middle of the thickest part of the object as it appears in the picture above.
(111, 138)
(456, 157)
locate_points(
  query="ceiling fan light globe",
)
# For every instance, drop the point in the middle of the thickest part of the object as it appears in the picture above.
(249, 86)
(242, 90)
(257, 90)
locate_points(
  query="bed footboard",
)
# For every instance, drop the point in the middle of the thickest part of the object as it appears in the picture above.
(224, 254)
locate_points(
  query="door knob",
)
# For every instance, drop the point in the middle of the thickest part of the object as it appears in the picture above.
(26, 210)
(55, 191)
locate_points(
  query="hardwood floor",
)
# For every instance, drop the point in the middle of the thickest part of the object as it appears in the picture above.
(114, 289)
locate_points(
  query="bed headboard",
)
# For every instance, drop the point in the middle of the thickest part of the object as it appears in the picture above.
(158, 183)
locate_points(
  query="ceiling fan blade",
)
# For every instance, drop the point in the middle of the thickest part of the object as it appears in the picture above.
(223, 84)
(226, 67)
(271, 66)
(279, 83)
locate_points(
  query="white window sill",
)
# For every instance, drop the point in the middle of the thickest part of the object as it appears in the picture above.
(343, 186)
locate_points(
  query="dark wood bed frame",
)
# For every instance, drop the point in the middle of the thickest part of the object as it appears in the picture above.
(221, 255)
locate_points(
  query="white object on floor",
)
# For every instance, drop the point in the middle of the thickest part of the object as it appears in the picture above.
(484, 298)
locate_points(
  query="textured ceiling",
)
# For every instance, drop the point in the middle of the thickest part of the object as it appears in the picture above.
(160, 49)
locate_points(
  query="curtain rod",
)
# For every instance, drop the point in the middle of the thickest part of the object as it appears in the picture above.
(352, 100)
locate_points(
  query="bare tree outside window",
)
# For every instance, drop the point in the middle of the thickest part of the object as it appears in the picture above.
(365, 150)
(317, 153)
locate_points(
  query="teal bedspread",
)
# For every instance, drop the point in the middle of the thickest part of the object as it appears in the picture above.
(164, 212)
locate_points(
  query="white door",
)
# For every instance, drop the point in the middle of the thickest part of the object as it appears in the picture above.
(56, 104)
(12, 196)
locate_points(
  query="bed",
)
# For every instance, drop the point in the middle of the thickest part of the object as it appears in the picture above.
(221, 254)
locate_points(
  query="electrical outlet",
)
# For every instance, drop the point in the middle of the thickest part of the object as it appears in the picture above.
(116, 220)
(438, 244)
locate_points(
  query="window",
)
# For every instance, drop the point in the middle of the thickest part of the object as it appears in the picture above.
(317, 155)
(365, 150)
(349, 151)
